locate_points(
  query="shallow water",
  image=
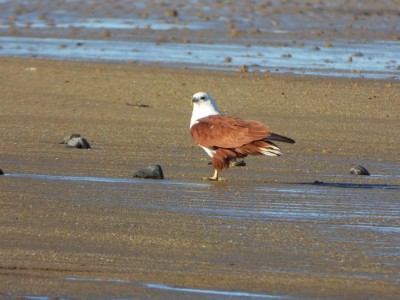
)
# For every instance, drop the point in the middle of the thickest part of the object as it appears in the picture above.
(313, 201)
(361, 215)
(336, 206)
(117, 31)
(379, 59)
(167, 292)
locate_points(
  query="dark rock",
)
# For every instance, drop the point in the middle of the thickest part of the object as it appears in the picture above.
(228, 59)
(151, 172)
(359, 170)
(78, 142)
(75, 140)
(244, 69)
(318, 182)
(171, 13)
(1, 172)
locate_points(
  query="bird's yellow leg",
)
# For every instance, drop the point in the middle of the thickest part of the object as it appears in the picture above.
(215, 177)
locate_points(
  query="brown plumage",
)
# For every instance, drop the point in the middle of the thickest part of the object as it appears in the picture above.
(231, 137)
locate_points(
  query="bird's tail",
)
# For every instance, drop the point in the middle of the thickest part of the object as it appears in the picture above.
(258, 147)
(278, 138)
(269, 149)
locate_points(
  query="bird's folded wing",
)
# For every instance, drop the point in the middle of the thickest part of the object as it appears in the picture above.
(227, 131)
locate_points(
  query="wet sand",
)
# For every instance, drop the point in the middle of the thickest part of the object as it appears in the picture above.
(297, 226)
(203, 21)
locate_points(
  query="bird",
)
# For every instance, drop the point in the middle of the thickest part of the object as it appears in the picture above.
(225, 138)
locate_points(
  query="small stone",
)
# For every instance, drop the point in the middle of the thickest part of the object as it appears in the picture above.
(359, 170)
(151, 172)
(144, 15)
(244, 69)
(78, 142)
(68, 137)
(318, 182)
(358, 54)
(228, 59)
(326, 151)
(171, 13)
(1, 172)
(42, 17)
(105, 34)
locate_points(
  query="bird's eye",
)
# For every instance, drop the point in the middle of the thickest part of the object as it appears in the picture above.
(202, 98)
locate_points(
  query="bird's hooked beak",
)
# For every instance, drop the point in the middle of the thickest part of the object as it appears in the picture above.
(194, 100)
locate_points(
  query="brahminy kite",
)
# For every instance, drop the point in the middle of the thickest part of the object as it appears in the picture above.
(226, 138)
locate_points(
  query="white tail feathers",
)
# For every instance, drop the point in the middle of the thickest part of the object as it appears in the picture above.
(270, 151)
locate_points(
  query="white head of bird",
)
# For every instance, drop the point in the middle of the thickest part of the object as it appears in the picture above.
(203, 106)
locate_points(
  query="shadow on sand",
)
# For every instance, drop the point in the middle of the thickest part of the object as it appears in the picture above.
(352, 185)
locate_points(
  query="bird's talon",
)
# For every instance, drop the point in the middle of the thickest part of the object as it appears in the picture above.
(237, 163)
(213, 179)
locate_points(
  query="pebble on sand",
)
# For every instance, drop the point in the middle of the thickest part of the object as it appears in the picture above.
(359, 170)
(171, 13)
(78, 142)
(75, 140)
(244, 69)
(68, 137)
(228, 59)
(1, 172)
(151, 172)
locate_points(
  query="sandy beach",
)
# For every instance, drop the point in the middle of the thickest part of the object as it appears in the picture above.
(75, 224)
